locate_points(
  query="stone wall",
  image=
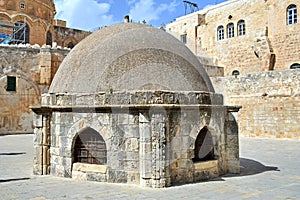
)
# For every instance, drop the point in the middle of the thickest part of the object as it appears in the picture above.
(269, 43)
(64, 36)
(270, 102)
(33, 68)
(149, 135)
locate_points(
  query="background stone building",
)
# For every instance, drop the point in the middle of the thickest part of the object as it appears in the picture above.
(257, 44)
(32, 21)
(27, 65)
(243, 35)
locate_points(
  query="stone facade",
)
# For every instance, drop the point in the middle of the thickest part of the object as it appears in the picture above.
(33, 69)
(270, 101)
(269, 43)
(39, 17)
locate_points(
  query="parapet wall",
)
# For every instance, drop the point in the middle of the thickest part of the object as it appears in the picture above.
(270, 102)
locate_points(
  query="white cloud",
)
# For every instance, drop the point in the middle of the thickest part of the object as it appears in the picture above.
(148, 10)
(83, 14)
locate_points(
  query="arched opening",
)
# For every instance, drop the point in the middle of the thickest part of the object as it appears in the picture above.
(220, 32)
(230, 30)
(204, 148)
(49, 38)
(90, 148)
(71, 45)
(291, 14)
(21, 33)
(241, 27)
(295, 66)
(235, 73)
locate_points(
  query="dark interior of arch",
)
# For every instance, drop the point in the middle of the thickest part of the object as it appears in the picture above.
(90, 148)
(204, 148)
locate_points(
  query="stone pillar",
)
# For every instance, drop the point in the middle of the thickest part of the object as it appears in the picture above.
(154, 166)
(45, 67)
(145, 149)
(41, 144)
(232, 144)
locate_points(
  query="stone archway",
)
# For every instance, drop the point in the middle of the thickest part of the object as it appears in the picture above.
(89, 147)
(204, 146)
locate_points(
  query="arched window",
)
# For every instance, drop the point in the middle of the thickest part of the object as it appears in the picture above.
(230, 30)
(49, 38)
(220, 32)
(291, 14)
(241, 27)
(235, 73)
(70, 45)
(90, 148)
(21, 33)
(295, 66)
(204, 148)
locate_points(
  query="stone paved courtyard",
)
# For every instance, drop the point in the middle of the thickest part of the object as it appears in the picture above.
(270, 170)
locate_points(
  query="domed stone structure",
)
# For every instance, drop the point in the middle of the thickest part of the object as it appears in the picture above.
(131, 104)
(113, 57)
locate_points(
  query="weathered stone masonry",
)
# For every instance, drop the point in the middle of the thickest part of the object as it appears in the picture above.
(33, 69)
(270, 100)
(150, 136)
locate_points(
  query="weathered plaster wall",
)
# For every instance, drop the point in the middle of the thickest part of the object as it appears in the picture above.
(33, 69)
(270, 102)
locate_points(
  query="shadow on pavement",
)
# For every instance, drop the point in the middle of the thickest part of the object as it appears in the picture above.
(13, 179)
(12, 154)
(250, 167)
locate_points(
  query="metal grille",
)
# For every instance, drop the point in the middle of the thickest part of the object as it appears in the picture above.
(90, 148)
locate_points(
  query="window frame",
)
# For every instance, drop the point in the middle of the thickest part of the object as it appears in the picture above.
(230, 30)
(241, 27)
(183, 38)
(220, 33)
(291, 14)
(22, 5)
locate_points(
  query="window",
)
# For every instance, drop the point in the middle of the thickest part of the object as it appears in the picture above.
(90, 148)
(21, 33)
(220, 33)
(235, 73)
(22, 5)
(295, 66)
(11, 84)
(230, 30)
(70, 45)
(183, 38)
(204, 148)
(241, 27)
(291, 14)
(49, 38)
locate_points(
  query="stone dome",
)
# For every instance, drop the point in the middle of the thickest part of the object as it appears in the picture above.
(130, 57)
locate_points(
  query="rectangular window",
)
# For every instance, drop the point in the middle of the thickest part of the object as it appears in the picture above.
(183, 38)
(11, 84)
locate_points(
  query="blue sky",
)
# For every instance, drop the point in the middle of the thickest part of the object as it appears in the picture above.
(91, 14)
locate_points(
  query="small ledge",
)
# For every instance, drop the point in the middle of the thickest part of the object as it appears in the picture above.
(84, 167)
(199, 166)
